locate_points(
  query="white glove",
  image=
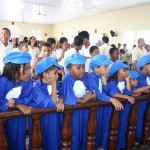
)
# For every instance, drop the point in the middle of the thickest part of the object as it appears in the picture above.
(79, 89)
(14, 93)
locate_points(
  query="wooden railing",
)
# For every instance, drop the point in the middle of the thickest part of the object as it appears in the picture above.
(36, 141)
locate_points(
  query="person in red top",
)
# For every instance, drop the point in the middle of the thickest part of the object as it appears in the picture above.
(45, 51)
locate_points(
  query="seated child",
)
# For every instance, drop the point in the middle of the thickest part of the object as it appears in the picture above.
(47, 93)
(16, 87)
(97, 81)
(143, 81)
(23, 46)
(119, 85)
(94, 50)
(45, 51)
(75, 91)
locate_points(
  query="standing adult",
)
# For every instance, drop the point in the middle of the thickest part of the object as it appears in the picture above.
(5, 46)
(138, 52)
(33, 49)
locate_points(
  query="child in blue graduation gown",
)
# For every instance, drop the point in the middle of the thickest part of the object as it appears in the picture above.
(16, 87)
(74, 90)
(47, 93)
(143, 81)
(97, 82)
(119, 85)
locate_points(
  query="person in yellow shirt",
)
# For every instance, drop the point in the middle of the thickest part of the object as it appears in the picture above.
(138, 52)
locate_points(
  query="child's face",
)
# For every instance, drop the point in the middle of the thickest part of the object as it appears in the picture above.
(133, 82)
(45, 51)
(102, 70)
(64, 45)
(95, 52)
(147, 68)
(25, 48)
(77, 71)
(25, 72)
(52, 73)
(115, 55)
(4, 35)
(123, 73)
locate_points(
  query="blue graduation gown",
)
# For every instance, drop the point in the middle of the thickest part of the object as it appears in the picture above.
(141, 105)
(49, 123)
(15, 128)
(103, 113)
(123, 114)
(79, 117)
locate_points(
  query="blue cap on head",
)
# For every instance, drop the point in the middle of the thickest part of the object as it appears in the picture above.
(44, 64)
(143, 61)
(17, 58)
(133, 74)
(75, 59)
(99, 60)
(116, 66)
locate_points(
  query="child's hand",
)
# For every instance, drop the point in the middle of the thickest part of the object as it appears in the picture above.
(60, 106)
(25, 109)
(88, 96)
(130, 99)
(93, 96)
(136, 94)
(117, 104)
(127, 78)
(49, 79)
(11, 103)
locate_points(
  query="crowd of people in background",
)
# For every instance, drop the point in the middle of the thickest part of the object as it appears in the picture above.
(87, 73)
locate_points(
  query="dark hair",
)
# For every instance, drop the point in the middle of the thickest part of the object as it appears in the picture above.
(30, 41)
(7, 30)
(105, 39)
(10, 71)
(112, 50)
(113, 46)
(92, 48)
(63, 39)
(78, 41)
(122, 51)
(119, 44)
(46, 44)
(21, 44)
(84, 34)
(51, 41)
(113, 77)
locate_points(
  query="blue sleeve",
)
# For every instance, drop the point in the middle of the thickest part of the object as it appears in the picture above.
(3, 101)
(113, 88)
(68, 93)
(93, 86)
(41, 98)
(59, 90)
(127, 92)
(26, 94)
(141, 81)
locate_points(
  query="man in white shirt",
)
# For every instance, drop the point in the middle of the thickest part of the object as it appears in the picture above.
(104, 48)
(86, 44)
(138, 52)
(5, 46)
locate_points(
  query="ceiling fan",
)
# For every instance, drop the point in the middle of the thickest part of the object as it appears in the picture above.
(39, 12)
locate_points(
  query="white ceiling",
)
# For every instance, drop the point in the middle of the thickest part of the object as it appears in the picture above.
(56, 11)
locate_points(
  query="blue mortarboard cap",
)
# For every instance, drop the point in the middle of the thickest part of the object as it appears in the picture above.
(143, 61)
(17, 58)
(44, 64)
(116, 66)
(75, 59)
(133, 74)
(99, 60)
